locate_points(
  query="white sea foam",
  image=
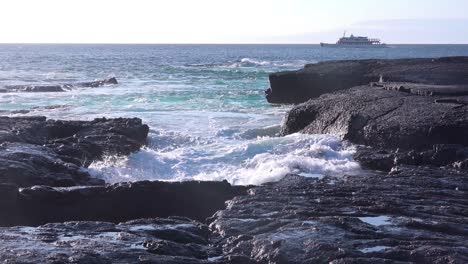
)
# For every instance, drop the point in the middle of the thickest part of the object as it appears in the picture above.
(253, 62)
(246, 62)
(249, 62)
(253, 161)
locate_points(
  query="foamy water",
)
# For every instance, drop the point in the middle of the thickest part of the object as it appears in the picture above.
(204, 103)
(240, 161)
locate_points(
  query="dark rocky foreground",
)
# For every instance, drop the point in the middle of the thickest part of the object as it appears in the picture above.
(294, 87)
(36, 151)
(57, 88)
(411, 215)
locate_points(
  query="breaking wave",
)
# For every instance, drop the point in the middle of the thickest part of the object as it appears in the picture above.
(241, 162)
(253, 63)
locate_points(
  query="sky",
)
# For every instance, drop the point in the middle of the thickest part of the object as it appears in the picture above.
(231, 21)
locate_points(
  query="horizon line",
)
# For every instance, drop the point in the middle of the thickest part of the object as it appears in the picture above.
(188, 43)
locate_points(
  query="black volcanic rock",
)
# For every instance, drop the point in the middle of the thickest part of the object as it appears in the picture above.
(326, 77)
(412, 215)
(383, 118)
(443, 155)
(26, 165)
(57, 88)
(114, 203)
(426, 89)
(85, 142)
(138, 241)
(99, 83)
(36, 151)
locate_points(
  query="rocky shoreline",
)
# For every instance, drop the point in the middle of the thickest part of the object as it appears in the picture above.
(330, 76)
(408, 117)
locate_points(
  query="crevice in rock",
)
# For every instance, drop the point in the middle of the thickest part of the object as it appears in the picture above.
(330, 123)
(388, 112)
(114, 203)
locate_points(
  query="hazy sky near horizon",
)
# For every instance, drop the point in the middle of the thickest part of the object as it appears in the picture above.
(223, 21)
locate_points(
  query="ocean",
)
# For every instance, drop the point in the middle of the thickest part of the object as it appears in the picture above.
(204, 104)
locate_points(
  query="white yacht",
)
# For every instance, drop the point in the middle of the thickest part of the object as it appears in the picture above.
(355, 42)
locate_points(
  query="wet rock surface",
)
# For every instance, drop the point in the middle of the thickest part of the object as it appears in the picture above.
(383, 118)
(294, 87)
(451, 156)
(57, 88)
(37, 151)
(170, 240)
(26, 164)
(412, 215)
(113, 203)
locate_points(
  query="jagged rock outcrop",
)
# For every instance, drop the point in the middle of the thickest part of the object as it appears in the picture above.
(294, 87)
(384, 118)
(36, 151)
(419, 117)
(57, 88)
(113, 203)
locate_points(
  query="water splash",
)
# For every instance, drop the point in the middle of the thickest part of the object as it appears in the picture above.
(253, 161)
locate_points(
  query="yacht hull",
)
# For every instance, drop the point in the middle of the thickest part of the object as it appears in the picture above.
(369, 46)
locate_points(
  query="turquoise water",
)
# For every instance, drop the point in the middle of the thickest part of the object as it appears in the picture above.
(204, 103)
